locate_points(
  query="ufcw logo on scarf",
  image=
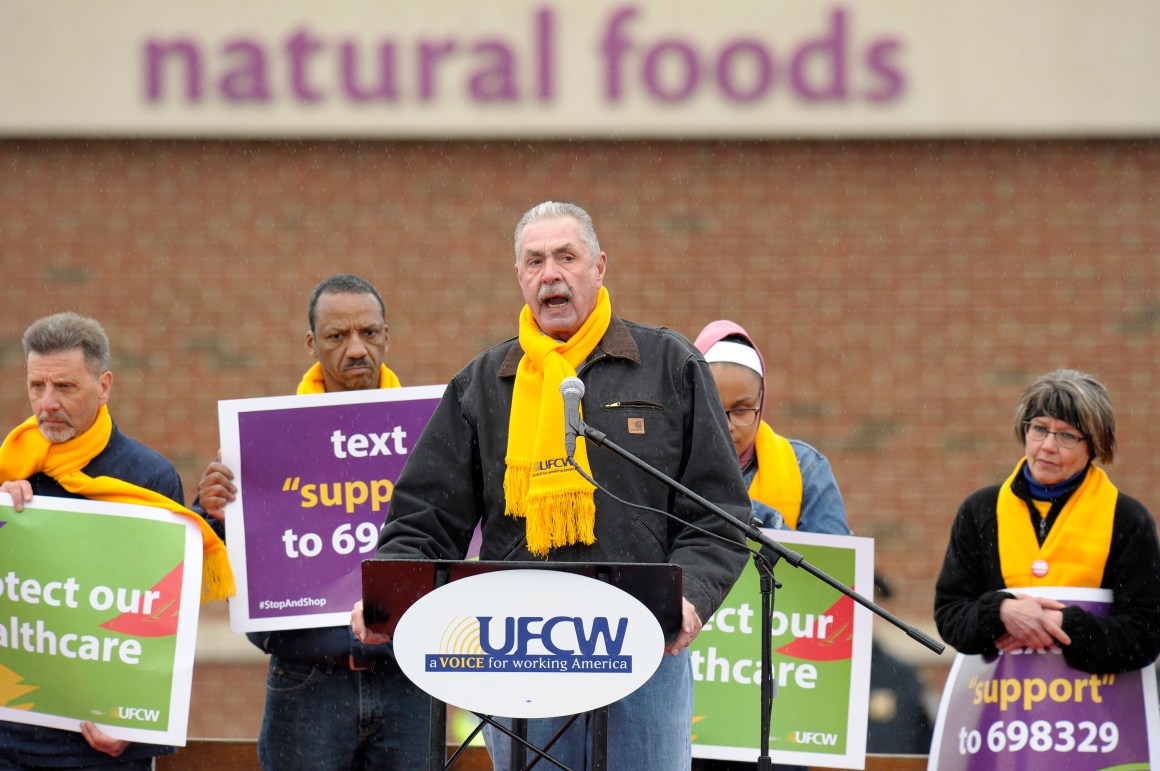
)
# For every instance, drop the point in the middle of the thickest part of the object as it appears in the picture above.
(539, 485)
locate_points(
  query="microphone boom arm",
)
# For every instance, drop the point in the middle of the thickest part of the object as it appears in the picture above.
(755, 534)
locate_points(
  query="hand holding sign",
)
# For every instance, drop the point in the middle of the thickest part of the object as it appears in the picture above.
(20, 491)
(216, 488)
(101, 741)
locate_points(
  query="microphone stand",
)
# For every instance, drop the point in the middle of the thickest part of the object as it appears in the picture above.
(765, 559)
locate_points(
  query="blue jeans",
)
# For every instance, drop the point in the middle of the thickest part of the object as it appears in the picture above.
(648, 729)
(321, 716)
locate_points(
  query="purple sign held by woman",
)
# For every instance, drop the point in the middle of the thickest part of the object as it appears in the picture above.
(315, 480)
(1030, 709)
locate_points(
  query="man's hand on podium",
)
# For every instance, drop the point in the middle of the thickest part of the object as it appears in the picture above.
(690, 627)
(363, 634)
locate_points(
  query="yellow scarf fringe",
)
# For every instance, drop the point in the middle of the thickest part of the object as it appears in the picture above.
(554, 500)
(26, 452)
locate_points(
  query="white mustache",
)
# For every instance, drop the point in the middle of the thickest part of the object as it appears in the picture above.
(560, 289)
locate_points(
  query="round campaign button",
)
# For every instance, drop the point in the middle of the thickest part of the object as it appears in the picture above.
(1039, 568)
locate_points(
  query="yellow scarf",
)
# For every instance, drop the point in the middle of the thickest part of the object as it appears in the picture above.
(1075, 551)
(312, 381)
(778, 481)
(26, 452)
(539, 486)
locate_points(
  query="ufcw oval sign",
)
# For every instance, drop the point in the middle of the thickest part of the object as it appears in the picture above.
(528, 643)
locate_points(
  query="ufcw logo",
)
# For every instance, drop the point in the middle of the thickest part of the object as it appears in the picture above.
(571, 639)
(139, 713)
(814, 737)
(533, 643)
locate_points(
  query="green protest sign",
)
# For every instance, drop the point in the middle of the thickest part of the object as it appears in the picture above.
(98, 617)
(821, 661)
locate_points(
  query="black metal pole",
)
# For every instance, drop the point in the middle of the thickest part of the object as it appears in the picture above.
(765, 563)
(755, 534)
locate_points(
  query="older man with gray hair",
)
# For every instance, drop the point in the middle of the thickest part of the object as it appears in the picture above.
(501, 418)
(69, 381)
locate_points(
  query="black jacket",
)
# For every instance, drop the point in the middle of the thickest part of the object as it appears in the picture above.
(454, 477)
(971, 587)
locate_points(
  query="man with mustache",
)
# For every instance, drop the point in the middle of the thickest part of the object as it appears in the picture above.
(501, 418)
(330, 701)
(71, 445)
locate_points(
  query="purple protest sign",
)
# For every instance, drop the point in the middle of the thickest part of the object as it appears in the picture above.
(1031, 710)
(315, 476)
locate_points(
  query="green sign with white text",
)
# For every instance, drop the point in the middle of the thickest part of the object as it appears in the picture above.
(98, 617)
(821, 661)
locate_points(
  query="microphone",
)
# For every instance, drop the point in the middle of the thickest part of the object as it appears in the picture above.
(572, 389)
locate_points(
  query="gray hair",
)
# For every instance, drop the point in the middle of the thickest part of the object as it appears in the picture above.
(552, 210)
(65, 332)
(1076, 398)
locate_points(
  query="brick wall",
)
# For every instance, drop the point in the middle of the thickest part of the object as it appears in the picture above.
(904, 292)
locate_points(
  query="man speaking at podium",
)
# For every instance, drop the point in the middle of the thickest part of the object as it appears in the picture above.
(501, 420)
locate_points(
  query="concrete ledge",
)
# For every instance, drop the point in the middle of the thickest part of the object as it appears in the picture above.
(242, 755)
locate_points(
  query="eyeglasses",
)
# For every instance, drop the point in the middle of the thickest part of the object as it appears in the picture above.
(742, 417)
(1064, 439)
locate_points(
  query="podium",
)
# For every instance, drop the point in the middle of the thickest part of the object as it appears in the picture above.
(392, 587)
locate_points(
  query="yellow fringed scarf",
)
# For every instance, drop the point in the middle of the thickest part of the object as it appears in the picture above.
(26, 452)
(1076, 549)
(539, 486)
(312, 382)
(778, 482)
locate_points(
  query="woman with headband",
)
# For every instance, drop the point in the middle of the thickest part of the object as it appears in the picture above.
(790, 483)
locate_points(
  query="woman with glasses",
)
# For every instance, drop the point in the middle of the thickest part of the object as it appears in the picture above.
(1057, 521)
(790, 483)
